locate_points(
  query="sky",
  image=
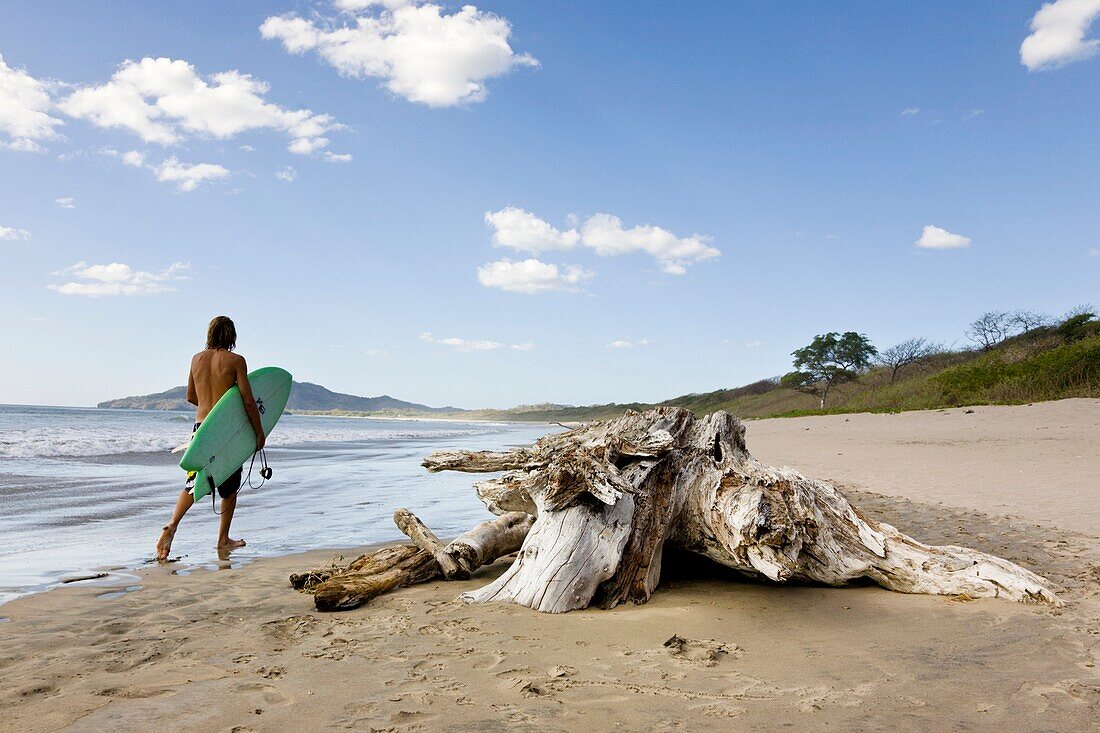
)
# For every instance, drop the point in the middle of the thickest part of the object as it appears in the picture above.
(522, 202)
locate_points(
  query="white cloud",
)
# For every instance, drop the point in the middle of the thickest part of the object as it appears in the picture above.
(307, 146)
(910, 111)
(1094, 251)
(1058, 34)
(743, 344)
(521, 230)
(469, 345)
(421, 52)
(933, 237)
(116, 278)
(337, 157)
(25, 110)
(974, 113)
(531, 276)
(134, 158)
(12, 234)
(286, 173)
(626, 343)
(188, 177)
(66, 202)
(164, 100)
(605, 234)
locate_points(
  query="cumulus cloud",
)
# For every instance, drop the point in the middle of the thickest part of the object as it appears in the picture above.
(418, 50)
(605, 234)
(66, 202)
(11, 233)
(1058, 34)
(25, 106)
(337, 157)
(531, 276)
(933, 237)
(468, 345)
(134, 158)
(116, 278)
(626, 343)
(189, 177)
(521, 230)
(165, 100)
(286, 173)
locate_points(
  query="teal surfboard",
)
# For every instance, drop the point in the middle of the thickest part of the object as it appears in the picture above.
(225, 440)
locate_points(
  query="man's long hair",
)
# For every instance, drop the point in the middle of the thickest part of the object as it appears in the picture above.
(221, 334)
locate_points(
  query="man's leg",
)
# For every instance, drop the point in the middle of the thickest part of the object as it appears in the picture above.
(229, 503)
(164, 544)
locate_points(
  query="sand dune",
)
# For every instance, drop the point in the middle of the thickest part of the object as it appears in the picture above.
(237, 650)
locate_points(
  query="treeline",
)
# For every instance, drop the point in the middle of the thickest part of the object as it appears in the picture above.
(1015, 356)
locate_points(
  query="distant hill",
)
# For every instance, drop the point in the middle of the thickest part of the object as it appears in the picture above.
(304, 397)
(1045, 363)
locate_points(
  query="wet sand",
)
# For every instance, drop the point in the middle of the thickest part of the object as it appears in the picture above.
(237, 650)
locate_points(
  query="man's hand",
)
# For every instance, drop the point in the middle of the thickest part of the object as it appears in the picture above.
(260, 442)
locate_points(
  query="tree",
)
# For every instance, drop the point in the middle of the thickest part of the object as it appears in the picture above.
(907, 352)
(1076, 325)
(990, 329)
(1025, 321)
(831, 359)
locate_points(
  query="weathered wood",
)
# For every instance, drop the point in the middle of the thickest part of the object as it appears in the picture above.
(476, 461)
(423, 538)
(386, 569)
(489, 540)
(609, 495)
(337, 587)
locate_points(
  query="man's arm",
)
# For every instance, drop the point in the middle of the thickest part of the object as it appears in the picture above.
(192, 395)
(250, 403)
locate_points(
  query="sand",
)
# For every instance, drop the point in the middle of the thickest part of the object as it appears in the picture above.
(237, 650)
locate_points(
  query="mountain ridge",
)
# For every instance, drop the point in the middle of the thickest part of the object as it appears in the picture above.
(304, 397)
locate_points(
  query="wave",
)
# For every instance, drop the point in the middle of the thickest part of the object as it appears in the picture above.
(105, 440)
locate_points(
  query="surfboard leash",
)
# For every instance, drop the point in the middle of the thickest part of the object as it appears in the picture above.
(266, 472)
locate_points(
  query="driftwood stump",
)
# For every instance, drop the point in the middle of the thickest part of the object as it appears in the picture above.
(606, 498)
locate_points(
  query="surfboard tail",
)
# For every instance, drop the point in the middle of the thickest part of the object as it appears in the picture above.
(204, 484)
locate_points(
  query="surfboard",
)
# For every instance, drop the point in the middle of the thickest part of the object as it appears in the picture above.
(225, 440)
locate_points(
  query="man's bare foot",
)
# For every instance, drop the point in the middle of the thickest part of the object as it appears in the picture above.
(164, 544)
(231, 544)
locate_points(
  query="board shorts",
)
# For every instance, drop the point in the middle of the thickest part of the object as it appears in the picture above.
(228, 488)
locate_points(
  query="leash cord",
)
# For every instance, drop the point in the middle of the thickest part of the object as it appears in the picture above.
(264, 473)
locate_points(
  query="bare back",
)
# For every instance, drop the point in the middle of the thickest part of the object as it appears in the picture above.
(213, 372)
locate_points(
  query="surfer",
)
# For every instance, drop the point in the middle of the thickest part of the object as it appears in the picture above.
(213, 371)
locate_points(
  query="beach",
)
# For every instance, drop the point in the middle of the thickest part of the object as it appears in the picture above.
(233, 648)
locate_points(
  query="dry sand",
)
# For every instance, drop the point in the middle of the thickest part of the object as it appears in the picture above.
(238, 650)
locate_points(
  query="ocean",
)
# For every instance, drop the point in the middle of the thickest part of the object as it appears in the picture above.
(86, 491)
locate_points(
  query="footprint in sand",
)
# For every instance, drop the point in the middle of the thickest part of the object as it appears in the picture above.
(40, 690)
(270, 695)
(134, 693)
(292, 628)
(700, 652)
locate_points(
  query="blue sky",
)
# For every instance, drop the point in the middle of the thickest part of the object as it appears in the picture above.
(810, 144)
